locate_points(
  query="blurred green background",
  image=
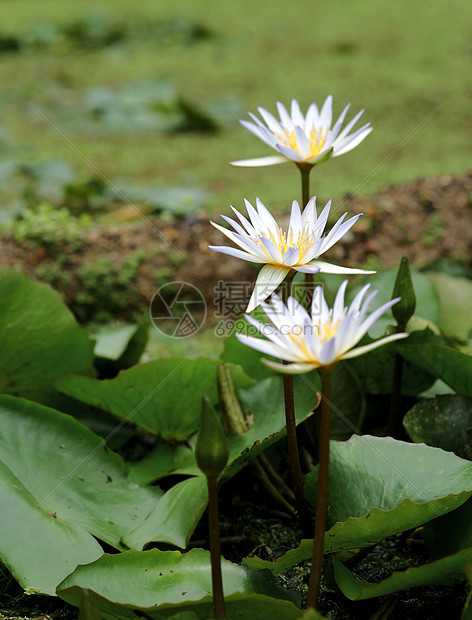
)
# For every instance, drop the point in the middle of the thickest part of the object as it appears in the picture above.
(150, 93)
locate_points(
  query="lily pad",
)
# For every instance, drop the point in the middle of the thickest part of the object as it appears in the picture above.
(163, 397)
(264, 405)
(446, 571)
(446, 363)
(60, 487)
(175, 515)
(443, 421)
(455, 301)
(379, 487)
(164, 583)
(40, 340)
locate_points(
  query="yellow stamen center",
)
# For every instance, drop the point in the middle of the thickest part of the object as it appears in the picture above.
(304, 241)
(316, 137)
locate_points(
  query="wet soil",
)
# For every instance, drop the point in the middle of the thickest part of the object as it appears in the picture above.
(427, 220)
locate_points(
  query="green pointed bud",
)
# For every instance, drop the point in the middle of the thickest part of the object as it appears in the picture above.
(211, 450)
(405, 308)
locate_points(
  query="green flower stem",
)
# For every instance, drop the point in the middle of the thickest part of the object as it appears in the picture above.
(321, 504)
(215, 548)
(305, 170)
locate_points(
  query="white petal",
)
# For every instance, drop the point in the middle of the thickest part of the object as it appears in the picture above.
(295, 224)
(285, 116)
(272, 250)
(255, 218)
(373, 345)
(235, 252)
(312, 119)
(237, 227)
(349, 126)
(291, 256)
(245, 222)
(356, 303)
(326, 114)
(353, 141)
(309, 213)
(289, 153)
(329, 268)
(322, 219)
(338, 307)
(271, 122)
(264, 346)
(328, 352)
(303, 144)
(339, 122)
(258, 132)
(296, 114)
(239, 240)
(306, 268)
(337, 232)
(370, 320)
(271, 160)
(268, 279)
(267, 216)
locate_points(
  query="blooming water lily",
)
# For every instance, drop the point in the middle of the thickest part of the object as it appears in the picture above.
(261, 240)
(308, 139)
(322, 339)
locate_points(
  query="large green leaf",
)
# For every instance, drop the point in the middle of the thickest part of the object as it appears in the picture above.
(264, 404)
(175, 516)
(40, 340)
(453, 367)
(455, 301)
(163, 396)
(60, 488)
(449, 539)
(444, 421)
(378, 487)
(163, 583)
(446, 571)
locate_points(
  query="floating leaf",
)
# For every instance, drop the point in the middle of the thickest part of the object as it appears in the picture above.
(175, 516)
(53, 470)
(378, 487)
(446, 571)
(40, 340)
(443, 421)
(453, 367)
(163, 397)
(264, 405)
(455, 301)
(164, 583)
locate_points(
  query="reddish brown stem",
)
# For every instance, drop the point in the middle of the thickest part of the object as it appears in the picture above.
(322, 500)
(215, 548)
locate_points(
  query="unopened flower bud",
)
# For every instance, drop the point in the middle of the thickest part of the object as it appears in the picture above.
(405, 308)
(211, 450)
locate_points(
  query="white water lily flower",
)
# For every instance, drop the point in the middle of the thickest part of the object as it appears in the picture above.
(261, 240)
(322, 339)
(304, 139)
